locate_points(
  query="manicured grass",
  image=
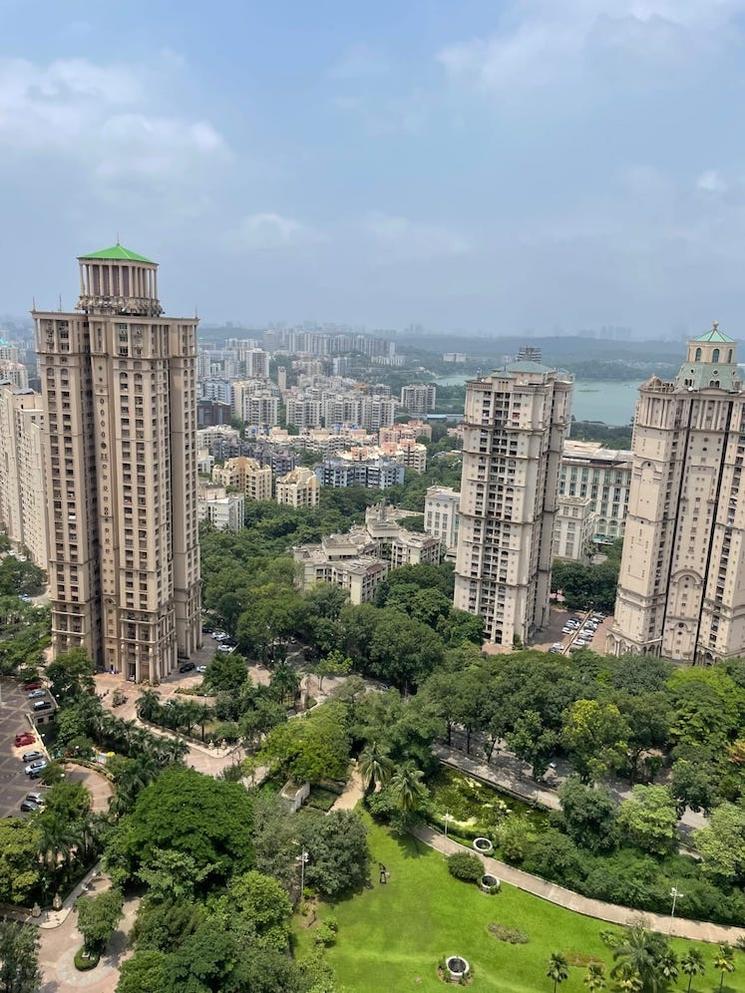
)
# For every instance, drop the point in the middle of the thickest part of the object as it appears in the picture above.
(391, 937)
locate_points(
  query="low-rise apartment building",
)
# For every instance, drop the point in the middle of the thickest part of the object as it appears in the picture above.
(299, 488)
(225, 511)
(602, 474)
(574, 528)
(253, 480)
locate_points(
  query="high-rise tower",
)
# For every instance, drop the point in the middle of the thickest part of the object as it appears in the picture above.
(118, 380)
(514, 427)
(681, 589)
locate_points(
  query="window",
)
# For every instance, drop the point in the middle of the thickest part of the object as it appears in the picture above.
(715, 355)
(697, 356)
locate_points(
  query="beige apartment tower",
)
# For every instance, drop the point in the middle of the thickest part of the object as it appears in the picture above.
(681, 591)
(23, 511)
(118, 380)
(513, 431)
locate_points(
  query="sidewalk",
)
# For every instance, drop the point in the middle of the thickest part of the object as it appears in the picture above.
(677, 927)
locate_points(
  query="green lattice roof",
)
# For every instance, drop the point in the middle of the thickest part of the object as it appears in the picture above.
(715, 335)
(118, 252)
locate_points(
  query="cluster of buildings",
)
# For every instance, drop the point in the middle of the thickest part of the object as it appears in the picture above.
(222, 500)
(360, 559)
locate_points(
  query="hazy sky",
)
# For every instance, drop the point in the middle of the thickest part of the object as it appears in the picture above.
(487, 165)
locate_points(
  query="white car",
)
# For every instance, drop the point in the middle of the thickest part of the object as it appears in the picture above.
(201, 668)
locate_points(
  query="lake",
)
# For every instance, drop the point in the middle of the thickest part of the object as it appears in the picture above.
(612, 402)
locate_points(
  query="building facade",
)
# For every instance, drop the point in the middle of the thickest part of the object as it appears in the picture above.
(514, 426)
(419, 398)
(299, 488)
(378, 474)
(574, 528)
(23, 511)
(602, 474)
(225, 511)
(119, 387)
(441, 515)
(247, 475)
(681, 589)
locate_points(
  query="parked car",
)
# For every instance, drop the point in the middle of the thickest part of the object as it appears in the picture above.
(32, 684)
(42, 705)
(36, 768)
(29, 807)
(35, 694)
(201, 668)
(186, 667)
(32, 756)
(37, 798)
(24, 738)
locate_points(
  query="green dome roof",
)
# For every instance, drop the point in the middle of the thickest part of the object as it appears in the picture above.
(715, 335)
(117, 252)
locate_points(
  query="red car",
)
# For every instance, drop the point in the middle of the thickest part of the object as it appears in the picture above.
(33, 685)
(25, 738)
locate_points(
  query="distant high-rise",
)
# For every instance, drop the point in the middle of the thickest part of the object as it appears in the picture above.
(514, 428)
(119, 389)
(23, 512)
(681, 590)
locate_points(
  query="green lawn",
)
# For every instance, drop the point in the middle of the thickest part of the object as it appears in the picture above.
(391, 937)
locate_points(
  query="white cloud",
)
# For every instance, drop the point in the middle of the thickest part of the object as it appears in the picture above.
(105, 120)
(711, 181)
(403, 239)
(268, 231)
(541, 42)
(358, 62)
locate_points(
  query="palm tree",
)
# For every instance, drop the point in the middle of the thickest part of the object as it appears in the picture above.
(692, 964)
(669, 967)
(285, 682)
(407, 788)
(148, 704)
(375, 767)
(724, 961)
(558, 969)
(641, 953)
(595, 978)
(205, 712)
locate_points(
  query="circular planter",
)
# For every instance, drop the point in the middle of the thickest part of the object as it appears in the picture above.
(84, 962)
(489, 883)
(483, 846)
(457, 968)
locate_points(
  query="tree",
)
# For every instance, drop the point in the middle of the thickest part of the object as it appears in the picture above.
(722, 844)
(71, 674)
(144, 972)
(724, 962)
(98, 917)
(706, 706)
(226, 673)
(183, 810)
(407, 789)
(693, 964)
(312, 748)
(20, 843)
(375, 767)
(339, 856)
(533, 742)
(596, 735)
(285, 683)
(260, 909)
(588, 813)
(19, 958)
(695, 778)
(649, 819)
(558, 969)
(595, 977)
(403, 651)
(640, 955)
(336, 663)
(170, 875)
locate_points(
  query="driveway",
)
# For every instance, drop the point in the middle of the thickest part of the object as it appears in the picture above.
(14, 783)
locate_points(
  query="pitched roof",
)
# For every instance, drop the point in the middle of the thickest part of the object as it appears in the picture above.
(118, 252)
(714, 334)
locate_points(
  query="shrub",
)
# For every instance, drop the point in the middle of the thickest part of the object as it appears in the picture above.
(467, 867)
(325, 935)
(555, 856)
(84, 962)
(511, 935)
(513, 837)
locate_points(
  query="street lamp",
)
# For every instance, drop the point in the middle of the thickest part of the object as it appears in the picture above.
(676, 895)
(302, 859)
(447, 818)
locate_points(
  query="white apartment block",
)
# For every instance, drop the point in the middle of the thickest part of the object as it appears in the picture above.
(299, 488)
(377, 412)
(514, 426)
(419, 398)
(120, 403)
(8, 352)
(603, 474)
(247, 475)
(215, 389)
(441, 515)
(23, 511)
(304, 412)
(225, 511)
(260, 410)
(15, 373)
(255, 362)
(681, 590)
(574, 528)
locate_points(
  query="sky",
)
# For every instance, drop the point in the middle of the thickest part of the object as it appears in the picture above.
(492, 167)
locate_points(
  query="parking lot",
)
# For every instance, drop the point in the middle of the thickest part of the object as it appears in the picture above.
(14, 783)
(554, 634)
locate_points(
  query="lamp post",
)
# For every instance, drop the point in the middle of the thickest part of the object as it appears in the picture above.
(302, 859)
(676, 895)
(447, 818)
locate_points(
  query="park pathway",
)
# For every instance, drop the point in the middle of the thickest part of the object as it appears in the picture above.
(677, 927)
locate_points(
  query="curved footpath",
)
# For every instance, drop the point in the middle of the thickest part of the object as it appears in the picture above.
(678, 927)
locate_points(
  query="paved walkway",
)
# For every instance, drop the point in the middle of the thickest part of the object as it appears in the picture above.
(676, 926)
(353, 792)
